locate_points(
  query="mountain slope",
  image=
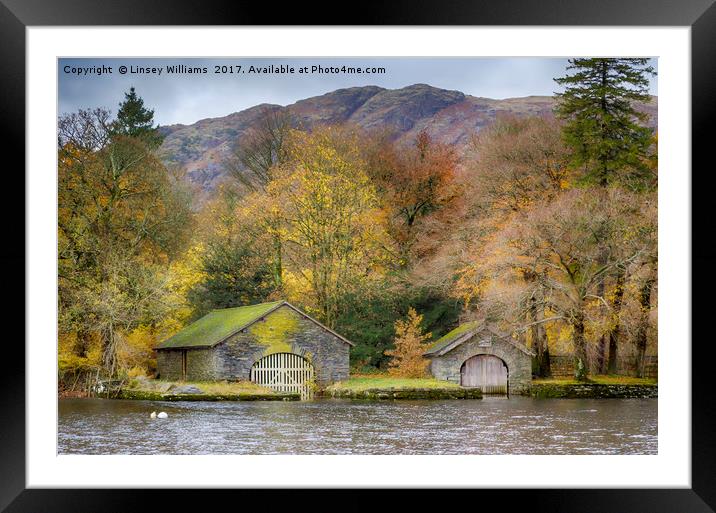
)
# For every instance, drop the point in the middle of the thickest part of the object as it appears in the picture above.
(448, 116)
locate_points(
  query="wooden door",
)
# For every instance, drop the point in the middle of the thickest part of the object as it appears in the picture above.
(284, 372)
(183, 365)
(486, 372)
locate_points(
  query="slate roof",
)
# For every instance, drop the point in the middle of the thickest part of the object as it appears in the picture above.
(467, 328)
(465, 332)
(218, 325)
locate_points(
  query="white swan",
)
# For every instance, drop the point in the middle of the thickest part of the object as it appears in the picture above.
(162, 415)
(153, 415)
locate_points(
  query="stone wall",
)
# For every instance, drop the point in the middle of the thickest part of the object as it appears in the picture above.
(169, 365)
(519, 363)
(201, 364)
(283, 331)
(593, 391)
(562, 366)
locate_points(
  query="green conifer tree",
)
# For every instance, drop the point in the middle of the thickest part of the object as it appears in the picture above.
(605, 131)
(135, 120)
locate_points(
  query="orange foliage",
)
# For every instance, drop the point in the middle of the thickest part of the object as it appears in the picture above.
(408, 360)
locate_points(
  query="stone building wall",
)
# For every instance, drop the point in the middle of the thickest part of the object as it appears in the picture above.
(283, 331)
(519, 363)
(201, 364)
(169, 365)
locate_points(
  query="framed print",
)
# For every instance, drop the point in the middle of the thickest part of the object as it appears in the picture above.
(414, 250)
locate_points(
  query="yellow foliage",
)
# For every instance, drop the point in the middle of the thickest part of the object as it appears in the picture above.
(331, 222)
(559, 337)
(184, 274)
(136, 348)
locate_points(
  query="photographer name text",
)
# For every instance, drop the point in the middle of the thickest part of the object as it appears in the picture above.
(229, 69)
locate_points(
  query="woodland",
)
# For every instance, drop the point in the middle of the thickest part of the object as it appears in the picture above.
(544, 227)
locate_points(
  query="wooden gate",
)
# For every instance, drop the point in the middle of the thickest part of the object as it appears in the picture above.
(485, 371)
(284, 372)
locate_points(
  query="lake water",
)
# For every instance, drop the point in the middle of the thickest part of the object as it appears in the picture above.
(494, 425)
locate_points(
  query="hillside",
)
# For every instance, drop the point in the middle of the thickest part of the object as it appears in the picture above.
(448, 116)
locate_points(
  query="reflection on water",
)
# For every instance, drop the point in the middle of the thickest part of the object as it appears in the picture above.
(518, 425)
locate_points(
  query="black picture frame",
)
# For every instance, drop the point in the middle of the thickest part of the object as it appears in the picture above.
(17, 15)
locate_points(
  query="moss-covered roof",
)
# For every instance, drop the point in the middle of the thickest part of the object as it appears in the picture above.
(452, 336)
(465, 331)
(217, 326)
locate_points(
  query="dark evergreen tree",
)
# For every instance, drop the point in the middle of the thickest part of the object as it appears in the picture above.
(605, 131)
(135, 120)
(235, 276)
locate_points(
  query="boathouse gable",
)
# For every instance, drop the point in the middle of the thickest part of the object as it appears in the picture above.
(456, 352)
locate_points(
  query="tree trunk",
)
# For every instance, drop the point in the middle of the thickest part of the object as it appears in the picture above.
(277, 262)
(546, 368)
(602, 354)
(602, 345)
(530, 319)
(641, 339)
(581, 369)
(603, 182)
(82, 343)
(109, 350)
(614, 332)
(539, 340)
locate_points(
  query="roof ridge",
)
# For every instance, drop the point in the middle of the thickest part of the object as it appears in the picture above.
(247, 306)
(469, 332)
(468, 329)
(248, 315)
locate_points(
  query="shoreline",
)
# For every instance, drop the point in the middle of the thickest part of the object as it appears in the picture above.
(593, 391)
(147, 395)
(380, 388)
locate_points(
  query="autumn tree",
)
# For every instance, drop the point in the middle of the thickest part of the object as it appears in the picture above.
(564, 241)
(334, 230)
(234, 275)
(641, 280)
(253, 162)
(516, 162)
(511, 165)
(256, 154)
(646, 289)
(236, 262)
(407, 357)
(416, 180)
(121, 216)
(82, 132)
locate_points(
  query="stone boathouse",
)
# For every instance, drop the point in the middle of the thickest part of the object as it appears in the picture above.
(273, 344)
(475, 355)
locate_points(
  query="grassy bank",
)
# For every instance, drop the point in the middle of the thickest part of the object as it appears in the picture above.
(600, 379)
(161, 390)
(382, 386)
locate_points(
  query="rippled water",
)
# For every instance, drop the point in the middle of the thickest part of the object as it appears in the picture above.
(518, 425)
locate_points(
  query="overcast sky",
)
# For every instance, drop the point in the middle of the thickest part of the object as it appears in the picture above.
(187, 98)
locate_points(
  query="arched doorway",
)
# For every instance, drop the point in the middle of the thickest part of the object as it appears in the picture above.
(284, 372)
(486, 371)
